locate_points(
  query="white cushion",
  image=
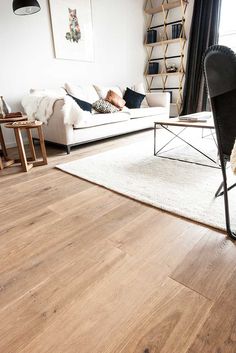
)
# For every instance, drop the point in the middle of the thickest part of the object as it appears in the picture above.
(101, 119)
(144, 112)
(102, 91)
(58, 92)
(86, 93)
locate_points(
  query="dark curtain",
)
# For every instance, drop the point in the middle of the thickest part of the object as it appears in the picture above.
(203, 34)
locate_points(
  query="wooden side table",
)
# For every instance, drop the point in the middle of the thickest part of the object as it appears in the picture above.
(28, 125)
(6, 161)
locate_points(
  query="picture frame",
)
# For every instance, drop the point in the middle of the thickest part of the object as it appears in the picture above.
(72, 29)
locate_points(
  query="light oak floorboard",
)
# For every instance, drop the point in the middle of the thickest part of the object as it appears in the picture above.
(84, 269)
(218, 334)
(208, 266)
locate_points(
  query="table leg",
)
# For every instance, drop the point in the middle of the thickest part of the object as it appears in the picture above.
(31, 144)
(1, 164)
(21, 150)
(187, 143)
(42, 145)
(2, 142)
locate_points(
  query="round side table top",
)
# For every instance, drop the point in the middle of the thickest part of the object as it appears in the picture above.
(23, 124)
(9, 120)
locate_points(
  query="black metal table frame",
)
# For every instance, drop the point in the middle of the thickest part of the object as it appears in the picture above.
(177, 136)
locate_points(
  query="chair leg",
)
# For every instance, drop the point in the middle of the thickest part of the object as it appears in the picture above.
(218, 192)
(226, 202)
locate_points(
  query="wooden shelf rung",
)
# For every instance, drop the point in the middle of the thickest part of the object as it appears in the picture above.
(167, 74)
(165, 7)
(169, 41)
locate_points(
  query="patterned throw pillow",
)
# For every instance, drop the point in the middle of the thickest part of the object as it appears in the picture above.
(103, 106)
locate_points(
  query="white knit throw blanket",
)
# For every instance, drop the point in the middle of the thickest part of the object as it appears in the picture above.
(39, 107)
(233, 159)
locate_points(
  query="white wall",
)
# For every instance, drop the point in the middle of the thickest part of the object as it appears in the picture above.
(27, 56)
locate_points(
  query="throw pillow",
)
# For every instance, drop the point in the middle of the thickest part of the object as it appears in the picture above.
(82, 104)
(133, 99)
(139, 87)
(103, 106)
(102, 91)
(115, 99)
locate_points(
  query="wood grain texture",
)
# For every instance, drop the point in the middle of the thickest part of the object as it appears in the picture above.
(208, 266)
(218, 334)
(84, 269)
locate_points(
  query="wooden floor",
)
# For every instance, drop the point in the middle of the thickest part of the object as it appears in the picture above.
(85, 270)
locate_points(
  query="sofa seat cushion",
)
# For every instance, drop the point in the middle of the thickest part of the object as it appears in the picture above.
(102, 119)
(137, 113)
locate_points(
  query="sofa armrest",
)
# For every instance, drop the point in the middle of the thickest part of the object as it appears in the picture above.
(159, 99)
(56, 130)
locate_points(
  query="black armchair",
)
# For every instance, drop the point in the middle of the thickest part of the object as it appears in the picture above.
(220, 74)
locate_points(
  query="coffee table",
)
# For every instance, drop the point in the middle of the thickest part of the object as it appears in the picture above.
(174, 122)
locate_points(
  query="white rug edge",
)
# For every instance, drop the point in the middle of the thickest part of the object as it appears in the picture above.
(172, 211)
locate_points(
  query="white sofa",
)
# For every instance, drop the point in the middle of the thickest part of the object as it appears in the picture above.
(100, 126)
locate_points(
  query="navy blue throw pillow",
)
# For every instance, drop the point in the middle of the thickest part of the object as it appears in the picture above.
(133, 99)
(82, 104)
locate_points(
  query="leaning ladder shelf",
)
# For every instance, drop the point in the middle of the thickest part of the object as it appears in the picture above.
(165, 8)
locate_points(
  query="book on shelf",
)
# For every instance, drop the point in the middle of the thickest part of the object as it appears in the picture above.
(177, 30)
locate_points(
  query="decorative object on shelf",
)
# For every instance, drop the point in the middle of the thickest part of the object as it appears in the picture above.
(153, 68)
(72, 29)
(25, 7)
(151, 36)
(166, 37)
(4, 108)
(171, 68)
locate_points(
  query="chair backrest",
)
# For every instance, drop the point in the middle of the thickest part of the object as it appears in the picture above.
(220, 74)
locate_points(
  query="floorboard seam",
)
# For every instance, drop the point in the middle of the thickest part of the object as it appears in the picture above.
(194, 290)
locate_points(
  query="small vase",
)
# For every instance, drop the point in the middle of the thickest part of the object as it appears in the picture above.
(4, 107)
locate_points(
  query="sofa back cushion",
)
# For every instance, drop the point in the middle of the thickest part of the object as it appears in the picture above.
(58, 92)
(86, 93)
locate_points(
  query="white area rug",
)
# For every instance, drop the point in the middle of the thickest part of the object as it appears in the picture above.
(181, 188)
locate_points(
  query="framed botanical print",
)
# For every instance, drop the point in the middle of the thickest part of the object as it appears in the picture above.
(72, 29)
